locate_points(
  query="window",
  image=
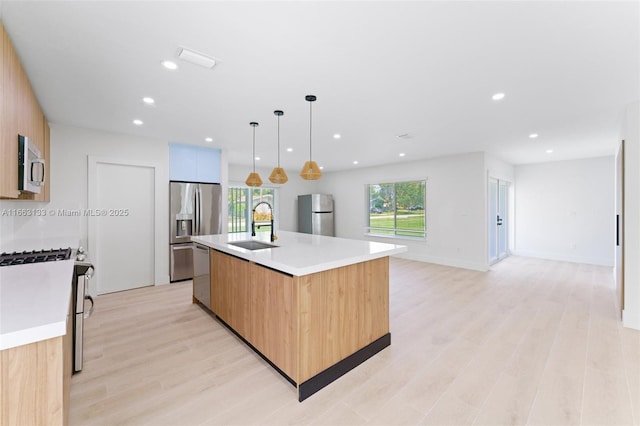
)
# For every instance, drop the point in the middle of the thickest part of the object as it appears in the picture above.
(397, 209)
(240, 214)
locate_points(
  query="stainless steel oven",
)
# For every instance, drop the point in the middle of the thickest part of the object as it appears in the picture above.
(82, 304)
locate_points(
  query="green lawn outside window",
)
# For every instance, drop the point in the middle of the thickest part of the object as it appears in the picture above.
(397, 209)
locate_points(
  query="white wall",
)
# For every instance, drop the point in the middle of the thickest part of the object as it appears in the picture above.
(498, 169)
(286, 214)
(455, 207)
(565, 210)
(70, 147)
(631, 135)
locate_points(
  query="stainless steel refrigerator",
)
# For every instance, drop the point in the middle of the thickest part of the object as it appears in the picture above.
(195, 209)
(315, 214)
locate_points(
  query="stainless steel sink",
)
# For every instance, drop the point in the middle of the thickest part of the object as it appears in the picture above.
(253, 245)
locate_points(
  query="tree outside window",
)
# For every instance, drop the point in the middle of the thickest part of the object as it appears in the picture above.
(397, 209)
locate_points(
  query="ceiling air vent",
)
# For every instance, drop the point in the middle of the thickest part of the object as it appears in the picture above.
(196, 58)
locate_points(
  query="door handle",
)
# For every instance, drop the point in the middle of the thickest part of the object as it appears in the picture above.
(499, 220)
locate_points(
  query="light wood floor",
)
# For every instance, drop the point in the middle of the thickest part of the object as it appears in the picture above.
(529, 342)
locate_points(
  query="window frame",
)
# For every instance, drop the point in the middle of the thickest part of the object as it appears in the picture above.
(368, 229)
(247, 217)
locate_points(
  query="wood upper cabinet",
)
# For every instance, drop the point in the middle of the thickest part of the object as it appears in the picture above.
(8, 149)
(21, 115)
(2, 152)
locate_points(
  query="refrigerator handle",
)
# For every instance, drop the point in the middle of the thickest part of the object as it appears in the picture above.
(200, 215)
(199, 210)
(196, 211)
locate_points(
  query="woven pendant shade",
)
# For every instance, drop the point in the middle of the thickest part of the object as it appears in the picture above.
(310, 171)
(254, 179)
(278, 175)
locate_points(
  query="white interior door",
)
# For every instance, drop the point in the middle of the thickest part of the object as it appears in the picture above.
(503, 190)
(619, 255)
(493, 214)
(498, 219)
(121, 229)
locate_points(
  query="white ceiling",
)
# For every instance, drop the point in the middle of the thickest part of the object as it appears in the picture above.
(379, 69)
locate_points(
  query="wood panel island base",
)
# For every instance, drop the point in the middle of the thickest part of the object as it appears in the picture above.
(312, 327)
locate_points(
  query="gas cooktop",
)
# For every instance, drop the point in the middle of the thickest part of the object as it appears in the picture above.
(34, 256)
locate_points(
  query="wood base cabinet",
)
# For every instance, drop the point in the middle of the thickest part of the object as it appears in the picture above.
(35, 381)
(32, 384)
(230, 290)
(312, 328)
(274, 316)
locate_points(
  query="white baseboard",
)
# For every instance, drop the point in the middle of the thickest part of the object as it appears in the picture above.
(631, 319)
(456, 263)
(162, 280)
(563, 258)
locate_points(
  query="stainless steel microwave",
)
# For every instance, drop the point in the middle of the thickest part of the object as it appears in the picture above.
(31, 165)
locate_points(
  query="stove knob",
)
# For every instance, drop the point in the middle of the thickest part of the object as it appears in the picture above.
(80, 250)
(80, 257)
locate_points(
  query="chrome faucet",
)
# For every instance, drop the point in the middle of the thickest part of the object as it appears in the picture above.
(253, 220)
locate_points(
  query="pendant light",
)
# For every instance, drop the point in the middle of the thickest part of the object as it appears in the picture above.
(254, 178)
(310, 170)
(278, 175)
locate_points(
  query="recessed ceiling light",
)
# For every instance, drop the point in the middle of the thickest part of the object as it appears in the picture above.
(170, 65)
(401, 154)
(498, 96)
(137, 122)
(355, 162)
(549, 151)
(208, 139)
(289, 149)
(147, 100)
(533, 135)
(196, 58)
(321, 167)
(337, 136)
(257, 158)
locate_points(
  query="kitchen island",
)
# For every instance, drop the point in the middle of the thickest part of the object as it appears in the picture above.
(313, 306)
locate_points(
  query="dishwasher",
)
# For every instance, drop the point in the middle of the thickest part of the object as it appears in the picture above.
(201, 280)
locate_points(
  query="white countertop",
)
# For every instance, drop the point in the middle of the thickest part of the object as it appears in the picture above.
(301, 254)
(34, 299)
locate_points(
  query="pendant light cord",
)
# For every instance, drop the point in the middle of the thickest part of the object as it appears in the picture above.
(278, 141)
(310, 122)
(254, 149)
